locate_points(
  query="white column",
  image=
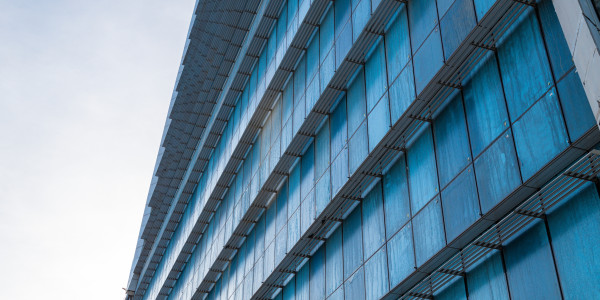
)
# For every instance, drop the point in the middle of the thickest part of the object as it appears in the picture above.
(583, 47)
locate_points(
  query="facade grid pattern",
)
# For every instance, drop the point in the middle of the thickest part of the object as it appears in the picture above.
(517, 110)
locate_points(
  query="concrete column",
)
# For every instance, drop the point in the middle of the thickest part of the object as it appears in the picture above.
(579, 22)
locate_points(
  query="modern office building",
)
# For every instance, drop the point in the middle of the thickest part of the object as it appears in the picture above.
(367, 149)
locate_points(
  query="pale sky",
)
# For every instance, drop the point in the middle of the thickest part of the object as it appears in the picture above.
(84, 90)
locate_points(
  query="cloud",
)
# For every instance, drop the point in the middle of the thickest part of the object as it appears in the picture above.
(84, 91)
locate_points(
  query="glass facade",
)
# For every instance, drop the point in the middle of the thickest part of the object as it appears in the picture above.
(516, 110)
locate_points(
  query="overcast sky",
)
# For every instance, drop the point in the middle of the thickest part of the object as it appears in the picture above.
(84, 92)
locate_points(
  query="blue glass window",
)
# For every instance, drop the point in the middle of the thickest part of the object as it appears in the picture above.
(531, 276)
(308, 171)
(428, 231)
(378, 122)
(338, 295)
(327, 70)
(428, 60)
(317, 275)
(395, 192)
(401, 255)
(576, 108)
(326, 36)
(355, 286)
(402, 92)
(289, 291)
(453, 291)
(343, 44)
(497, 172)
(282, 213)
(352, 237)
(307, 208)
(322, 150)
(460, 203)
(294, 228)
(302, 283)
(339, 128)
(294, 182)
(452, 142)
(376, 275)
(339, 172)
(312, 57)
(422, 19)
(456, 24)
(375, 75)
(485, 106)
(281, 245)
(373, 227)
(270, 224)
(486, 281)
(558, 50)
(356, 103)
(343, 11)
(422, 174)
(397, 44)
(482, 7)
(540, 135)
(360, 16)
(358, 148)
(335, 261)
(575, 236)
(526, 77)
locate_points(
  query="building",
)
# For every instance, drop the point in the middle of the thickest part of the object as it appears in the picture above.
(366, 149)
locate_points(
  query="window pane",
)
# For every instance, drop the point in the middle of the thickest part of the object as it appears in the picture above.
(428, 60)
(379, 122)
(302, 283)
(402, 92)
(422, 174)
(482, 7)
(429, 231)
(352, 236)
(294, 182)
(293, 230)
(360, 17)
(373, 227)
(357, 104)
(282, 214)
(397, 44)
(358, 148)
(375, 75)
(289, 291)
(395, 192)
(485, 106)
(339, 171)
(401, 255)
(526, 77)
(575, 239)
(317, 275)
(422, 17)
(460, 203)
(540, 135)
(487, 281)
(497, 172)
(578, 112)
(355, 286)
(453, 291)
(558, 50)
(335, 261)
(531, 273)
(456, 24)
(452, 142)
(339, 130)
(376, 275)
